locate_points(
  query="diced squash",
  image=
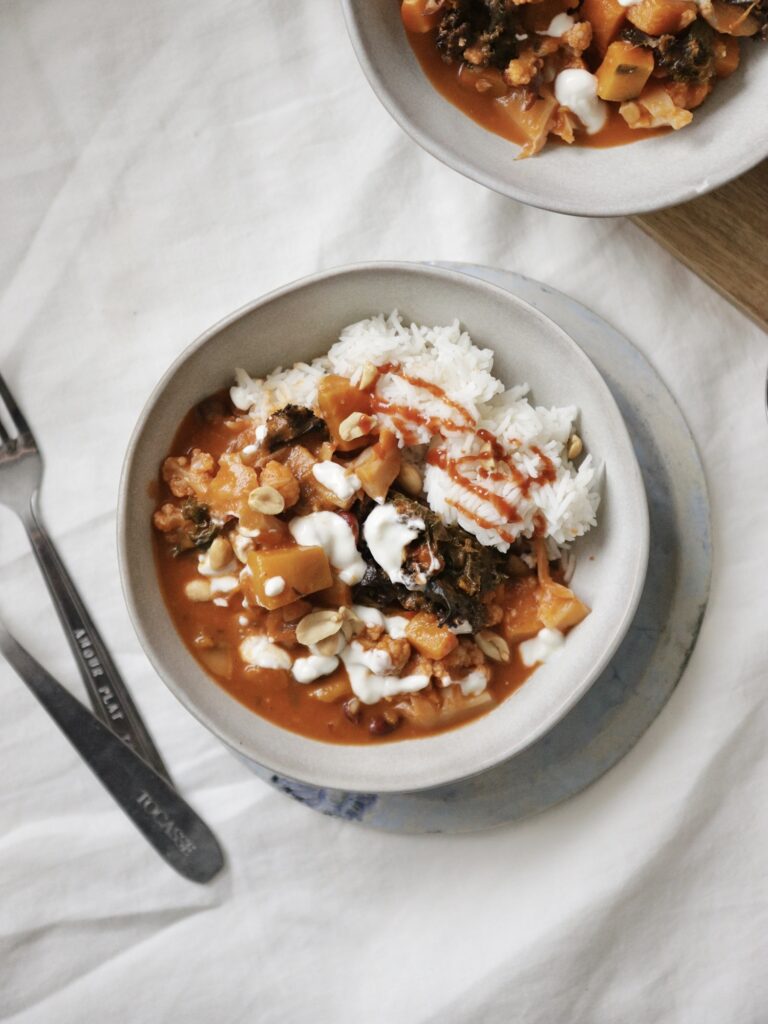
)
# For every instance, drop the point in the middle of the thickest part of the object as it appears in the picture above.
(429, 639)
(377, 466)
(338, 595)
(531, 124)
(727, 56)
(624, 72)
(338, 399)
(606, 18)
(417, 17)
(521, 611)
(302, 570)
(559, 608)
(658, 17)
(730, 19)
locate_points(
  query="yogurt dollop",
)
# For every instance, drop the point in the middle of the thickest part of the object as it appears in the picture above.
(576, 89)
(367, 671)
(387, 534)
(258, 652)
(334, 535)
(541, 647)
(338, 480)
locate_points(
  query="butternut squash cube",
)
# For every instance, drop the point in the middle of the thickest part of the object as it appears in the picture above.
(281, 576)
(429, 639)
(338, 595)
(624, 72)
(377, 466)
(338, 399)
(559, 608)
(658, 17)
(521, 609)
(606, 18)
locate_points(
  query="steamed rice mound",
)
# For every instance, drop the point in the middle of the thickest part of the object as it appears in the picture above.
(560, 509)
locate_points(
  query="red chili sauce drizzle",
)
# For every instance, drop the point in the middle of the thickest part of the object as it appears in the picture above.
(404, 416)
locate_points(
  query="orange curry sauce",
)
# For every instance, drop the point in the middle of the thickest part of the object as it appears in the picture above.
(454, 83)
(213, 633)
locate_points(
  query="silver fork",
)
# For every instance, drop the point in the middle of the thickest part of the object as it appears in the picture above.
(21, 473)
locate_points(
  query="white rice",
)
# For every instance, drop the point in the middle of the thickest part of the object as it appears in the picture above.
(446, 356)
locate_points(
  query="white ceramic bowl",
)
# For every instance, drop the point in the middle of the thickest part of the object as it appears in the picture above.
(729, 133)
(301, 321)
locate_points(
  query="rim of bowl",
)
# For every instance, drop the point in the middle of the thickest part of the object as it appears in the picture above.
(750, 157)
(341, 781)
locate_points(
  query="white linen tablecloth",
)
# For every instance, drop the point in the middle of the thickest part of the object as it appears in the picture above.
(163, 163)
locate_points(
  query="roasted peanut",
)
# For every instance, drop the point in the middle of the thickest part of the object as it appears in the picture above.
(357, 424)
(266, 500)
(219, 553)
(317, 626)
(492, 645)
(575, 447)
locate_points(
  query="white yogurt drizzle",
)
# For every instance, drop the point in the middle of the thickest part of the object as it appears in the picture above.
(367, 671)
(224, 584)
(393, 625)
(274, 586)
(307, 670)
(560, 24)
(387, 535)
(334, 535)
(205, 569)
(258, 652)
(541, 647)
(337, 479)
(576, 89)
(474, 682)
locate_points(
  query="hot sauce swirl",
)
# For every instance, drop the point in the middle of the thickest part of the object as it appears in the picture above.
(465, 470)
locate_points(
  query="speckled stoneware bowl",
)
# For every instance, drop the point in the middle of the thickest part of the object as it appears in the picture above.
(729, 133)
(301, 321)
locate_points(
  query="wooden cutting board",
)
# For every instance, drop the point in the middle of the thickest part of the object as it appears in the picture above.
(723, 237)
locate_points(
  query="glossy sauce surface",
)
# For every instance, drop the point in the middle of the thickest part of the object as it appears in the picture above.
(273, 694)
(487, 112)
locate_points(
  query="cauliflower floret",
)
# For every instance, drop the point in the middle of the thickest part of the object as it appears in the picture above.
(655, 108)
(189, 477)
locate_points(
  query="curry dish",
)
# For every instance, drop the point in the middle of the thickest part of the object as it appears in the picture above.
(590, 72)
(373, 546)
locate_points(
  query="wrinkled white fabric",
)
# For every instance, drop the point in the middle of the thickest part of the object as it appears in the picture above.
(162, 164)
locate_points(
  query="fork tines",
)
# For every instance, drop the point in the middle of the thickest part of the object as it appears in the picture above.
(16, 417)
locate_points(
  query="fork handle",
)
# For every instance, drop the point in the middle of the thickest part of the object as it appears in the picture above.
(107, 692)
(177, 832)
